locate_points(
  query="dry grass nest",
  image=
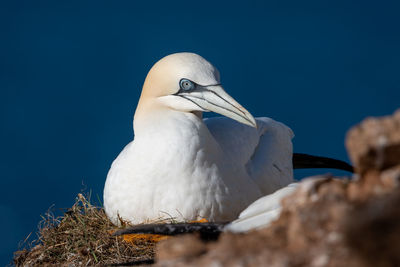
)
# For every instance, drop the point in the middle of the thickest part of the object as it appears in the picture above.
(82, 236)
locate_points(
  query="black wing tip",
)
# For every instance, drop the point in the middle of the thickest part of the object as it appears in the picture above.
(208, 231)
(134, 263)
(306, 161)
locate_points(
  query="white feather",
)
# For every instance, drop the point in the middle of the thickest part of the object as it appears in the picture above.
(262, 212)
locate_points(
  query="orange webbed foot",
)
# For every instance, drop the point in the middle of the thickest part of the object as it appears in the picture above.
(140, 238)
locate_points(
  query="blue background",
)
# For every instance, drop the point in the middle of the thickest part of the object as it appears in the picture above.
(71, 74)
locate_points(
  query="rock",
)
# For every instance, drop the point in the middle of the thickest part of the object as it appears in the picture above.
(374, 237)
(374, 144)
(321, 224)
(187, 246)
(327, 221)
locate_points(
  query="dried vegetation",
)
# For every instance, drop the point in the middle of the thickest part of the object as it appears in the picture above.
(82, 237)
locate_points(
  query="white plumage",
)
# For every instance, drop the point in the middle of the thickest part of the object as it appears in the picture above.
(261, 212)
(182, 166)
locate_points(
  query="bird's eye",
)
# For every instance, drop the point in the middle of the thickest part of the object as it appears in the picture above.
(186, 84)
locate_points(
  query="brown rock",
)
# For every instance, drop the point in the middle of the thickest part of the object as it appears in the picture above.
(375, 143)
(391, 177)
(326, 221)
(187, 246)
(374, 237)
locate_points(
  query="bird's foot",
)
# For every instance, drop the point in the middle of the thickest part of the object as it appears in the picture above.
(203, 220)
(136, 239)
(139, 237)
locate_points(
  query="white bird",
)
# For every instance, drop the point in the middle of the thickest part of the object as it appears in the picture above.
(182, 166)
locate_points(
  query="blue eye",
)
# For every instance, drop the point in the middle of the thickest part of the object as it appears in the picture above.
(186, 84)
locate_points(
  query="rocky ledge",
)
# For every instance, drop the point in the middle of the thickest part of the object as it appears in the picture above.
(327, 221)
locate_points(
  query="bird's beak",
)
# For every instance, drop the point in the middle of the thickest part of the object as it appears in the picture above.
(214, 98)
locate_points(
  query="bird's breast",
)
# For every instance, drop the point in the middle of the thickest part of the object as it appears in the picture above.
(175, 172)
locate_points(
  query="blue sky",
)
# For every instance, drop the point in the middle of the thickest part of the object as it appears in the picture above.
(71, 73)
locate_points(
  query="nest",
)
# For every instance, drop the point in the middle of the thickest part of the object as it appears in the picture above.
(82, 236)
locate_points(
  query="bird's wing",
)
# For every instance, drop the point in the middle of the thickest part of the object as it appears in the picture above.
(271, 164)
(237, 140)
(265, 152)
(262, 212)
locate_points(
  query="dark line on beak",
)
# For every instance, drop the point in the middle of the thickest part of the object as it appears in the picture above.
(199, 88)
(224, 100)
(240, 115)
(193, 102)
(233, 111)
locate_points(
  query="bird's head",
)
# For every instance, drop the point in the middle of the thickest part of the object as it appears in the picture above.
(187, 82)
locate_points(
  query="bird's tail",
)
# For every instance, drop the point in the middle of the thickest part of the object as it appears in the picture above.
(305, 161)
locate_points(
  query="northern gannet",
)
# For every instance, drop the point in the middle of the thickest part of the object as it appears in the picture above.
(181, 166)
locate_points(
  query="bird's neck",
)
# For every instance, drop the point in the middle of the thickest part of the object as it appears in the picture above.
(150, 116)
(155, 121)
(182, 134)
